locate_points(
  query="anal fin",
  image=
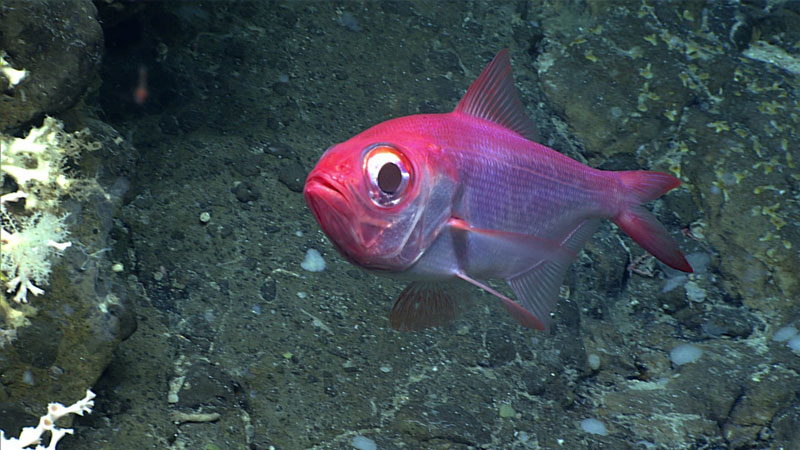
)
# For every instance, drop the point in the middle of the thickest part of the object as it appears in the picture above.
(537, 288)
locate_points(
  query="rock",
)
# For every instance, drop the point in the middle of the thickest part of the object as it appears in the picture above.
(60, 44)
(208, 387)
(293, 176)
(443, 421)
(85, 311)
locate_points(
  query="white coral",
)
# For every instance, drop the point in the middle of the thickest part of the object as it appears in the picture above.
(26, 252)
(37, 163)
(30, 238)
(32, 436)
(14, 76)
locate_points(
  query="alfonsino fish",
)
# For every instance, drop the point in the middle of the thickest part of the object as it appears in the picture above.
(469, 195)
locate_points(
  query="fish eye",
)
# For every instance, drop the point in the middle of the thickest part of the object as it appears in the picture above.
(387, 173)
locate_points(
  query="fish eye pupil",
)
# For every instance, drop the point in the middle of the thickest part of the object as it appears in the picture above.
(389, 178)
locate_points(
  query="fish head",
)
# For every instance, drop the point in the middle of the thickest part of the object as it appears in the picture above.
(373, 198)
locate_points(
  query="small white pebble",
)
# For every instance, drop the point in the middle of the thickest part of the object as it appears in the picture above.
(313, 261)
(684, 354)
(673, 282)
(594, 426)
(784, 334)
(594, 361)
(694, 292)
(364, 443)
(794, 343)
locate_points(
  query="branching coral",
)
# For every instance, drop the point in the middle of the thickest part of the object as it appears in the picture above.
(32, 225)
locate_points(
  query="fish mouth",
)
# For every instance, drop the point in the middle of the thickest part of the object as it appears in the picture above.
(349, 229)
(330, 206)
(322, 194)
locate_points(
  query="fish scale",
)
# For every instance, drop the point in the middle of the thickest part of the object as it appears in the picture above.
(523, 187)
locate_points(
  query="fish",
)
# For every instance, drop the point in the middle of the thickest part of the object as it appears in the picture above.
(470, 195)
(141, 92)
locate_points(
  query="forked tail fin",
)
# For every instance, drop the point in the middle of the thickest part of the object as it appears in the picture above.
(641, 186)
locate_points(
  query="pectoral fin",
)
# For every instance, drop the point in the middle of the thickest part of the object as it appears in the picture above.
(424, 305)
(537, 287)
(509, 244)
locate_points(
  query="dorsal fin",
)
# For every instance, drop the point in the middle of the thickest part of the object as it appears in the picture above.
(493, 97)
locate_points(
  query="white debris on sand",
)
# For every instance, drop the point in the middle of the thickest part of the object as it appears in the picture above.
(685, 354)
(313, 261)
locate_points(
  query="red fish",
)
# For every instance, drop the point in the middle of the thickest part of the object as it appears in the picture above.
(469, 195)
